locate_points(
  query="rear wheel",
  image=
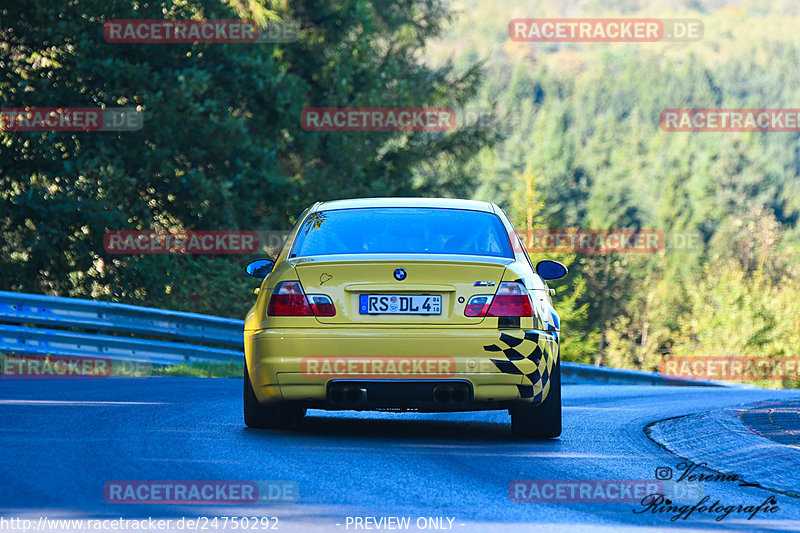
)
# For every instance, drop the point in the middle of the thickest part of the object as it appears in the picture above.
(541, 421)
(274, 416)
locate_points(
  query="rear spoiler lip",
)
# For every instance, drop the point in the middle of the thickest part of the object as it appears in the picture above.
(395, 258)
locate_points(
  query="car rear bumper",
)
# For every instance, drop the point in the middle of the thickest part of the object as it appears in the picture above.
(397, 368)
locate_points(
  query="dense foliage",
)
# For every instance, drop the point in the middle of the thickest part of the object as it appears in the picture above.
(221, 147)
(583, 119)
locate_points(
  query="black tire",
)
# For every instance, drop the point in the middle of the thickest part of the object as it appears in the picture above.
(275, 416)
(541, 421)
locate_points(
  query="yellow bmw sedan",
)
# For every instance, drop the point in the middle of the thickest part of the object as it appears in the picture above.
(401, 304)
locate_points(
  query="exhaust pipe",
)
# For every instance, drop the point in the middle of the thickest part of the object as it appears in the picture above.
(350, 394)
(353, 395)
(456, 393)
(336, 395)
(442, 394)
(459, 395)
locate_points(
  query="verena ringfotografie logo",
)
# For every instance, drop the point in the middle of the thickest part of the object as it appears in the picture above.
(703, 119)
(53, 366)
(378, 119)
(70, 119)
(732, 368)
(198, 31)
(200, 492)
(604, 30)
(181, 242)
(661, 505)
(377, 367)
(582, 490)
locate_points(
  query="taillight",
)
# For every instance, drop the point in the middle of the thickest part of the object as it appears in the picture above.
(478, 305)
(511, 299)
(322, 305)
(288, 299)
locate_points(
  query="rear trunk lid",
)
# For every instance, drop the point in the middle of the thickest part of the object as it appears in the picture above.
(351, 280)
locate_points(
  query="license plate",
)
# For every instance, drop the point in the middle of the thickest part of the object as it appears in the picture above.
(396, 304)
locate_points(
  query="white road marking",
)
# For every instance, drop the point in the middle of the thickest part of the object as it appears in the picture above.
(74, 403)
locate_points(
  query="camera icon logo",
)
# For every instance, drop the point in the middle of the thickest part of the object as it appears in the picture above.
(663, 473)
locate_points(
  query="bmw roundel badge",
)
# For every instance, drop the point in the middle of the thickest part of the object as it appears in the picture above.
(399, 274)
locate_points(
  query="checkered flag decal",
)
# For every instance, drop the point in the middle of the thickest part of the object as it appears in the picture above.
(529, 357)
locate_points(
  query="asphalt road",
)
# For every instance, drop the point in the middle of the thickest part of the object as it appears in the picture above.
(62, 441)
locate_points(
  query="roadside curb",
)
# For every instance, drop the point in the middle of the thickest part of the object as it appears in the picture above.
(779, 422)
(721, 441)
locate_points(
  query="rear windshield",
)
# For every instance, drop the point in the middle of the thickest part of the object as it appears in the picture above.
(402, 230)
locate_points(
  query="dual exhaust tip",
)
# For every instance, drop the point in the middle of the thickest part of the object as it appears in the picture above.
(455, 393)
(450, 394)
(347, 394)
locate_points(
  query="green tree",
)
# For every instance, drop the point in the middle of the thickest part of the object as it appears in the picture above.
(221, 146)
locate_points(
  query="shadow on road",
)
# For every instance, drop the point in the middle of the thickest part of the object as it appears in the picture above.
(402, 430)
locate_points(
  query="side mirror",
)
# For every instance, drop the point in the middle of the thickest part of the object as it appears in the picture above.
(260, 268)
(549, 269)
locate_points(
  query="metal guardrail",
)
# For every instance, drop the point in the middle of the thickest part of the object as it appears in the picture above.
(171, 336)
(176, 337)
(576, 373)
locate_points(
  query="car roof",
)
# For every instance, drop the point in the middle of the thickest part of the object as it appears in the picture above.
(441, 203)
